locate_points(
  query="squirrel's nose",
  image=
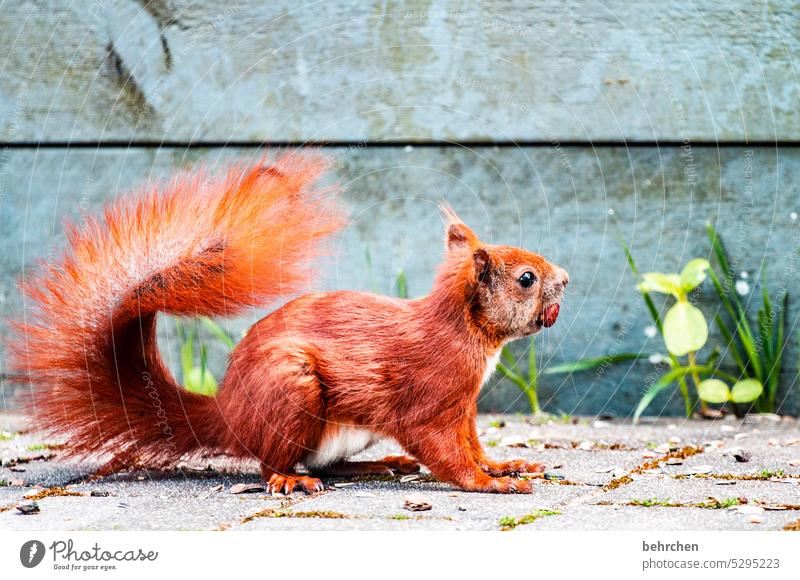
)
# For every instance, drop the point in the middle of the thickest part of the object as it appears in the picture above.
(563, 277)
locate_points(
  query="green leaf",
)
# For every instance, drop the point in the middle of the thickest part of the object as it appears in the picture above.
(746, 391)
(586, 364)
(693, 274)
(713, 391)
(685, 329)
(663, 283)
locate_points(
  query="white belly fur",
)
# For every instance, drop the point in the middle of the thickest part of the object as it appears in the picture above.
(339, 444)
(491, 365)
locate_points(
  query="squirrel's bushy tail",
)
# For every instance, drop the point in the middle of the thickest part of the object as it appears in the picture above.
(202, 244)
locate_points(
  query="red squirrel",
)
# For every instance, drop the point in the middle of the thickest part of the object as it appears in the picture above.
(312, 383)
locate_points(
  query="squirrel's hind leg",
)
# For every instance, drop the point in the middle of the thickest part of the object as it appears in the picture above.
(283, 417)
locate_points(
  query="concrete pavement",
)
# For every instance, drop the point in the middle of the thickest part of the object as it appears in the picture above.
(671, 474)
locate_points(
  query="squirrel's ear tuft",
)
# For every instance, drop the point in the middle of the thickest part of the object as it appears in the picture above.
(459, 236)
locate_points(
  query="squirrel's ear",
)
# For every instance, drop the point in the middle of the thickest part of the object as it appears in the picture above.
(482, 264)
(459, 236)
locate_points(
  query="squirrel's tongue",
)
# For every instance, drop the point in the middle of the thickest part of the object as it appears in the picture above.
(550, 315)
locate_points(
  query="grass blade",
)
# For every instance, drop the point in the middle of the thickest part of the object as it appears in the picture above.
(665, 381)
(401, 285)
(778, 346)
(730, 344)
(765, 336)
(631, 262)
(187, 353)
(513, 377)
(593, 363)
(742, 329)
(713, 357)
(203, 363)
(768, 324)
(719, 251)
(651, 307)
(532, 372)
(509, 359)
(220, 333)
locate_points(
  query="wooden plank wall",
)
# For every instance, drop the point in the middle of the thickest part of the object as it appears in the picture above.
(560, 126)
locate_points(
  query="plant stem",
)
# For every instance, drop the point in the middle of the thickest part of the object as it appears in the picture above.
(696, 377)
(534, 401)
(533, 379)
(687, 402)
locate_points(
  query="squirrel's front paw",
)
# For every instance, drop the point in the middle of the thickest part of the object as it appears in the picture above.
(510, 485)
(514, 466)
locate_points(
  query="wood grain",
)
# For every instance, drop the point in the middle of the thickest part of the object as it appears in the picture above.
(443, 70)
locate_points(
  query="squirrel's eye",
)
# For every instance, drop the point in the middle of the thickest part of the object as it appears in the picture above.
(527, 279)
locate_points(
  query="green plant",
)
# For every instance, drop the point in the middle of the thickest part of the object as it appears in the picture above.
(197, 378)
(656, 317)
(650, 502)
(42, 446)
(528, 380)
(510, 522)
(685, 331)
(769, 474)
(729, 502)
(757, 349)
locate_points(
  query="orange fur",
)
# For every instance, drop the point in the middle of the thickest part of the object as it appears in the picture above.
(316, 379)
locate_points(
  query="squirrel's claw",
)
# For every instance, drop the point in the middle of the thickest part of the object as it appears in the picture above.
(285, 484)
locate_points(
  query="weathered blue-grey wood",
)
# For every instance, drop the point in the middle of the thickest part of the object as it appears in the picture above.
(554, 70)
(568, 203)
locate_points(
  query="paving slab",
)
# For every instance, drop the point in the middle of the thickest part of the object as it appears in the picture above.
(608, 518)
(385, 501)
(700, 490)
(366, 524)
(603, 462)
